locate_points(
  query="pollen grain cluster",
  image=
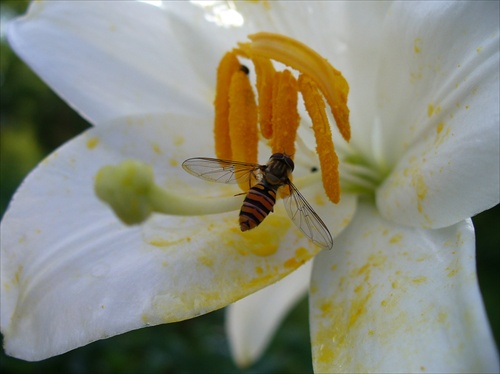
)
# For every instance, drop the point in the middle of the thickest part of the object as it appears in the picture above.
(241, 120)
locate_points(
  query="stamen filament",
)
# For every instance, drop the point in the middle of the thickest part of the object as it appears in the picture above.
(363, 171)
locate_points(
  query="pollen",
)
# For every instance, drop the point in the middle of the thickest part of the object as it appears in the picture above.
(243, 130)
(242, 117)
(300, 57)
(328, 159)
(228, 66)
(285, 114)
(241, 121)
(265, 72)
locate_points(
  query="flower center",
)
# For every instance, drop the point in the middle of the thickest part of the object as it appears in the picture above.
(240, 122)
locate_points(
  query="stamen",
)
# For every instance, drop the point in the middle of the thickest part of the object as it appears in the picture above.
(302, 58)
(285, 114)
(243, 129)
(130, 191)
(265, 72)
(278, 96)
(228, 66)
(328, 159)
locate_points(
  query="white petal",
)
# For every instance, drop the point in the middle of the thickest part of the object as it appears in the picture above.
(110, 59)
(72, 274)
(441, 113)
(436, 54)
(399, 299)
(251, 322)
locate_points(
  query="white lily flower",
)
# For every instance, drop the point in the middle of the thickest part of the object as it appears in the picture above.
(398, 292)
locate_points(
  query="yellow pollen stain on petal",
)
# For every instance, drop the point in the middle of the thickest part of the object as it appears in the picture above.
(265, 3)
(17, 276)
(291, 263)
(156, 148)
(439, 127)
(420, 279)
(301, 256)
(358, 307)
(452, 272)
(396, 239)
(319, 200)
(332, 337)
(173, 162)
(259, 282)
(92, 142)
(442, 317)
(326, 308)
(264, 240)
(417, 45)
(265, 249)
(179, 140)
(430, 110)
(205, 260)
(170, 308)
(420, 189)
(344, 316)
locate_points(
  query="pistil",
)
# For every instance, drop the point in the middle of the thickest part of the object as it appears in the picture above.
(129, 189)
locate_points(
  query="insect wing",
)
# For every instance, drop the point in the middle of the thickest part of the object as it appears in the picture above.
(306, 219)
(223, 171)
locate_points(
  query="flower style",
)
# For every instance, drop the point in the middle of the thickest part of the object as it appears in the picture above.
(398, 292)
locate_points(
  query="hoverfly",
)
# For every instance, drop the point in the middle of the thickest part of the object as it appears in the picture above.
(264, 181)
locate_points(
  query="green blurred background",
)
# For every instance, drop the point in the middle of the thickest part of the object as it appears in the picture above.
(33, 122)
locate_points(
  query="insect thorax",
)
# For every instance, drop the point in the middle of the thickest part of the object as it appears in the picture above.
(277, 173)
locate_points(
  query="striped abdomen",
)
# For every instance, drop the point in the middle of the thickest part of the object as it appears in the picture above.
(257, 205)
